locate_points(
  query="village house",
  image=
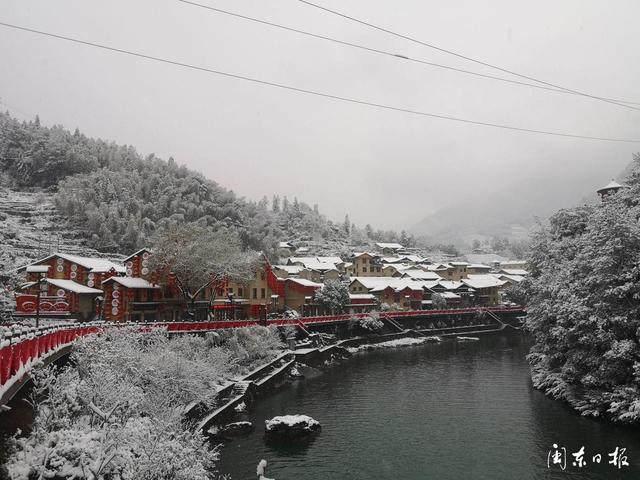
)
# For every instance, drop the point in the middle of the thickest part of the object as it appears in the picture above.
(393, 270)
(459, 270)
(250, 299)
(361, 302)
(486, 289)
(510, 280)
(419, 274)
(285, 249)
(514, 271)
(59, 298)
(299, 294)
(285, 271)
(404, 292)
(83, 270)
(456, 293)
(134, 299)
(478, 269)
(320, 275)
(69, 286)
(389, 248)
(366, 264)
(512, 264)
(443, 269)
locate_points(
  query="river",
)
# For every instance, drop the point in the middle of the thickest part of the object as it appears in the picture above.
(435, 411)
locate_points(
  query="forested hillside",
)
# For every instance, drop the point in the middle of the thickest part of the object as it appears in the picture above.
(120, 198)
(584, 305)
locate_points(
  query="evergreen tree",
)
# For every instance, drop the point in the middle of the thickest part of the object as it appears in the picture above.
(584, 305)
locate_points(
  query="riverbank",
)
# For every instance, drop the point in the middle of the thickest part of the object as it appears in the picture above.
(214, 397)
(117, 411)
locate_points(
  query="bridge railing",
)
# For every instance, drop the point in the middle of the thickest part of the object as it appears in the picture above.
(21, 346)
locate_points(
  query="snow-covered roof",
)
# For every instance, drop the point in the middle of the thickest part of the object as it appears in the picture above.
(435, 267)
(305, 282)
(302, 260)
(485, 258)
(361, 296)
(399, 267)
(514, 271)
(393, 246)
(132, 282)
(482, 281)
(392, 259)
(361, 254)
(480, 266)
(97, 265)
(285, 245)
(459, 264)
(450, 285)
(317, 263)
(377, 284)
(290, 269)
(71, 286)
(142, 250)
(513, 278)
(419, 274)
(331, 259)
(312, 263)
(413, 258)
(449, 295)
(612, 185)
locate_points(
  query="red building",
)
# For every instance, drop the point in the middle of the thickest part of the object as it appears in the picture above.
(69, 288)
(134, 299)
(59, 299)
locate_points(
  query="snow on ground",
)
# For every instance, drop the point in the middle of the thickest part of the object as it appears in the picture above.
(400, 342)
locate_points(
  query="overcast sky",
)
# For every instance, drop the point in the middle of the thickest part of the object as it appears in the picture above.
(382, 167)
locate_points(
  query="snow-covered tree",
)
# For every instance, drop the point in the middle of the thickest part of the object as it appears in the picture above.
(438, 301)
(584, 305)
(200, 258)
(119, 413)
(333, 296)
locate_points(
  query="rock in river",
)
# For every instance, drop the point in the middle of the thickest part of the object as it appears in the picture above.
(291, 427)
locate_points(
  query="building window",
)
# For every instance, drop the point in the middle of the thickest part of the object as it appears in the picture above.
(239, 292)
(255, 293)
(364, 269)
(262, 293)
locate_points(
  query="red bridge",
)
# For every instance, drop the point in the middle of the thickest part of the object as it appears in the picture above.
(21, 348)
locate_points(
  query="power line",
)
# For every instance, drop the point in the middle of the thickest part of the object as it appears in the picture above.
(311, 92)
(390, 54)
(621, 103)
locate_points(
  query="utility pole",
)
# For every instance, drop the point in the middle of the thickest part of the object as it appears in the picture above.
(41, 271)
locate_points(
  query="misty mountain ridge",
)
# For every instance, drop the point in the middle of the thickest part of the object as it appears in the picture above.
(509, 210)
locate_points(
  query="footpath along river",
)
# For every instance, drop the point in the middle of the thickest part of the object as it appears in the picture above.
(436, 411)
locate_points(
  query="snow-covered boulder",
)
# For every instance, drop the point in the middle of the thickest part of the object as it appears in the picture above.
(291, 427)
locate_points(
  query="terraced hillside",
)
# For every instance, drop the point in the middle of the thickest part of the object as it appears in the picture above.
(30, 228)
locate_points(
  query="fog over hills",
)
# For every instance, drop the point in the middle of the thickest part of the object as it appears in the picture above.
(510, 209)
